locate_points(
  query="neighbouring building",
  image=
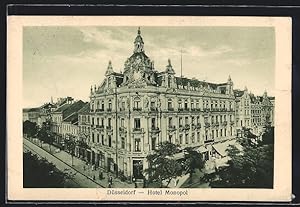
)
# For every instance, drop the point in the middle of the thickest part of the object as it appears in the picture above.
(31, 114)
(242, 110)
(132, 112)
(83, 137)
(65, 118)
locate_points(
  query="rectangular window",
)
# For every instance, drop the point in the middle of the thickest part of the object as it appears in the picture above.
(122, 122)
(137, 123)
(198, 136)
(170, 121)
(186, 139)
(180, 139)
(102, 122)
(137, 145)
(109, 122)
(180, 121)
(98, 138)
(102, 139)
(153, 124)
(109, 140)
(153, 143)
(123, 142)
(98, 121)
(93, 137)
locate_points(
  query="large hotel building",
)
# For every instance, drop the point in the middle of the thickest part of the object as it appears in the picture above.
(133, 111)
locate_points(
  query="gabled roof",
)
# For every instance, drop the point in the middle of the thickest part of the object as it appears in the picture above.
(73, 118)
(62, 108)
(85, 109)
(75, 107)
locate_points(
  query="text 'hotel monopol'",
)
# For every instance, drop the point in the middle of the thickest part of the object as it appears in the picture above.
(132, 112)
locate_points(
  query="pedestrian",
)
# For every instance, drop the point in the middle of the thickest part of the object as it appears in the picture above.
(83, 167)
(109, 185)
(110, 180)
(135, 185)
(94, 178)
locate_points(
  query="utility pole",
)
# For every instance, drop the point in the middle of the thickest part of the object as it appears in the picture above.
(181, 63)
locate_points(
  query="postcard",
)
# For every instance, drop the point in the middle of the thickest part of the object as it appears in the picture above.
(141, 108)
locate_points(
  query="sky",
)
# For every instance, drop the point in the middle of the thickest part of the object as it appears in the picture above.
(65, 61)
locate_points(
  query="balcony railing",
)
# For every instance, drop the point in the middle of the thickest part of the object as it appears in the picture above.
(154, 129)
(187, 127)
(109, 109)
(122, 129)
(172, 127)
(186, 109)
(137, 109)
(170, 109)
(99, 110)
(208, 141)
(206, 110)
(180, 109)
(207, 124)
(153, 109)
(224, 123)
(137, 129)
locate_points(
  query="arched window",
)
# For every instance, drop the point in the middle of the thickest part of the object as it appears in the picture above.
(137, 103)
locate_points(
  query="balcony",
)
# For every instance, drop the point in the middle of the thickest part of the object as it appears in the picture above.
(153, 109)
(180, 109)
(100, 126)
(170, 109)
(154, 129)
(137, 130)
(109, 110)
(207, 124)
(187, 127)
(231, 123)
(99, 110)
(208, 141)
(172, 128)
(122, 129)
(206, 110)
(181, 127)
(186, 109)
(137, 109)
(224, 123)
(193, 126)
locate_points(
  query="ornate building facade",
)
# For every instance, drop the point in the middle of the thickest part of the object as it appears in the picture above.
(132, 112)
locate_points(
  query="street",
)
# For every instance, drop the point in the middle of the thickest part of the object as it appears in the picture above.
(80, 179)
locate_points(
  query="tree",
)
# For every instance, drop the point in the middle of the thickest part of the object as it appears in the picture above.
(45, 135)
(39, 173)
(162, 165)
(268, 136)
(30, 128)
(70, 145)
(250, 168)
(192, 160)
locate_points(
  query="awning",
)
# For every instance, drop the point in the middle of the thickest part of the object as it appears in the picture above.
(202, 149)
(178, 156)
(221, 148)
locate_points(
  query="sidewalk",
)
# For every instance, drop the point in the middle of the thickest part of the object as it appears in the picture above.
(85, 169)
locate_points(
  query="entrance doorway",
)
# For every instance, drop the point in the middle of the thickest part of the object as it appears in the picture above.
(138, 169)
